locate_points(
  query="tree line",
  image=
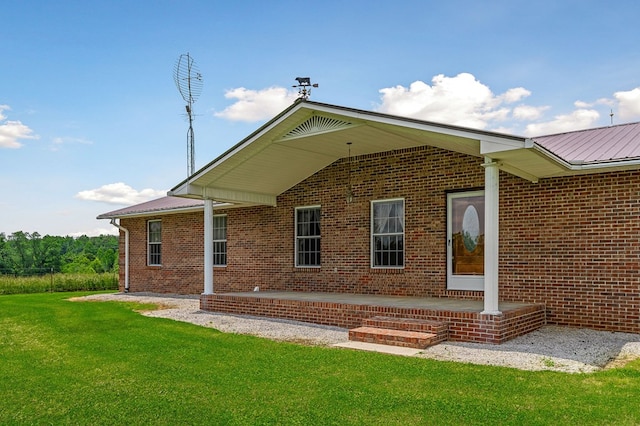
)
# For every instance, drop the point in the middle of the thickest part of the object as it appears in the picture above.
(24, 253)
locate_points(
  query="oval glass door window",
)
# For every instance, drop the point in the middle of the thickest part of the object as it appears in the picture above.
(470, 228)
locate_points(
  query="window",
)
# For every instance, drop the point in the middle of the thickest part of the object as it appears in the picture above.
(220, 240)
(154, 242)
(387, 234)
(308, 236)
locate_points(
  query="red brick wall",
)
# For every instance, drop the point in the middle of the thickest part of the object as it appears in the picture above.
(261, 240)
(572, 243)
(182, 254)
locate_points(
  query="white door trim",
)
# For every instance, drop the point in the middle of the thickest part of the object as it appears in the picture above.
(463, 281)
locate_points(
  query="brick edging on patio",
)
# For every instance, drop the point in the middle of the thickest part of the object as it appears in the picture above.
(463, 325)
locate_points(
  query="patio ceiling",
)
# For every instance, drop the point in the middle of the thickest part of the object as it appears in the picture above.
(309, 136)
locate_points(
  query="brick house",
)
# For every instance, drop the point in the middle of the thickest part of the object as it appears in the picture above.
(326, 200)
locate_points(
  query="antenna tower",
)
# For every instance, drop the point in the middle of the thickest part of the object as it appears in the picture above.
(189, 82)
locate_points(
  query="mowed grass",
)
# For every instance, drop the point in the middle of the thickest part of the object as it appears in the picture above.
(65, 362)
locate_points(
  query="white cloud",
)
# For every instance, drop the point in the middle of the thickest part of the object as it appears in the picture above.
(528, 113)
(12, 131)
(628, 103)
(601, 101)
(59, 141)
(577, 120)
(96, 232)
(461, 100)
(256, 105)
(515, 94)
(120, 193)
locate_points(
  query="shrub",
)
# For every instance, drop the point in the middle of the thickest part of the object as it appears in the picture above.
(10, 284)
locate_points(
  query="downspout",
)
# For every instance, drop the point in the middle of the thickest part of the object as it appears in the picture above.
(126, 254)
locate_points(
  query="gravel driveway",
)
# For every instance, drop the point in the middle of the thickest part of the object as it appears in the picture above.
(570, 350)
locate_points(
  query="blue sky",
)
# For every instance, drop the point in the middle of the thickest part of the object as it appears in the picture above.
(91, 119)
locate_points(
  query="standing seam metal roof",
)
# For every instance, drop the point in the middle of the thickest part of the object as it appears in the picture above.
(602, 144)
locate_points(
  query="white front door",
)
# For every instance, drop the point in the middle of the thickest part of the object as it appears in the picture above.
(465, 240)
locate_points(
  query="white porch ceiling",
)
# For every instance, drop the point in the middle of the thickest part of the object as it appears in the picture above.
(309, 136)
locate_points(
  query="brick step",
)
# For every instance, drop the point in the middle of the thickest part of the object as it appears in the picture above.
(408, 324)
(387, 336)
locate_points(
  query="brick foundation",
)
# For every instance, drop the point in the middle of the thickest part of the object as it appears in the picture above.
(463, 326)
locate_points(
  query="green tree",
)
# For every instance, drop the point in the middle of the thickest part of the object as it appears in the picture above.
(5, 255)
(80, 264)
(23, 253)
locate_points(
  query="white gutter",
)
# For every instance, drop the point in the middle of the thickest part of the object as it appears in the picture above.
(126, 253)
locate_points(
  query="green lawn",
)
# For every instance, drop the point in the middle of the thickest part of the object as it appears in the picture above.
(83, 363)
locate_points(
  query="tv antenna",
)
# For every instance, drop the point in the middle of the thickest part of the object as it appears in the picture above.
(189, 82)
(304, 87)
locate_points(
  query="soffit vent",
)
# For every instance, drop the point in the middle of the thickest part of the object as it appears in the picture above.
(315, 125)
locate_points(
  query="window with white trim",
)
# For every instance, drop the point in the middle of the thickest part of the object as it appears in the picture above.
(154, 243)
(308, 236)
(387, 234)
(220, 240)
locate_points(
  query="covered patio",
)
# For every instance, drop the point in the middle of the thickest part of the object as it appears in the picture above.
(309, 136)
(464, 320)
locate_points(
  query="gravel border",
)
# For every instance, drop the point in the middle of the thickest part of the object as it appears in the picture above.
(563, 349)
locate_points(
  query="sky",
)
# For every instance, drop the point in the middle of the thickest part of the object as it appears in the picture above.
(91, 119)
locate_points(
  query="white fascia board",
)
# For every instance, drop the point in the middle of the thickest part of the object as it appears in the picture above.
(493, 146)
(242, 197)
(617, 164)
(184, 190)
(222, 195)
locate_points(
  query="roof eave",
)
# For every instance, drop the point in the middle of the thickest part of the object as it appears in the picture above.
(151, 212)
(199, 186)
(179, 189)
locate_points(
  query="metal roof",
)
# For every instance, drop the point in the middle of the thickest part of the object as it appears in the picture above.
(604, 144)
(162, 205)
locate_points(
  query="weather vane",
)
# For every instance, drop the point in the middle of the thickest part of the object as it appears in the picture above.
(304, 87)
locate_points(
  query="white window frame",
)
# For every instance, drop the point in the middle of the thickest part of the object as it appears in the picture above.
(308, 237)
(218, 241)
(151, 244)
(374, 235)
